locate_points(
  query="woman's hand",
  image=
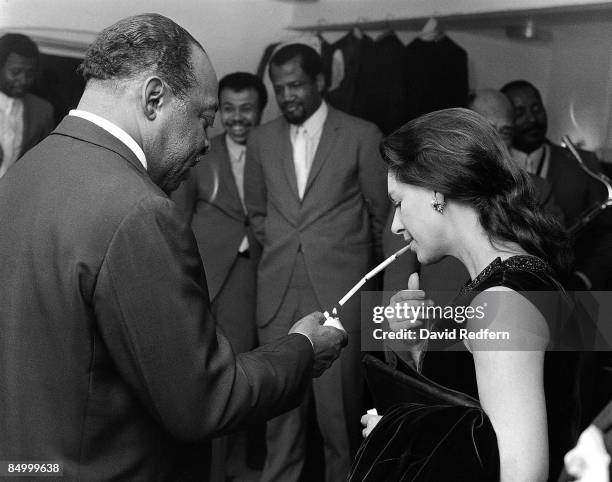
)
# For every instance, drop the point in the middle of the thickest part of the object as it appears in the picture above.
(409, 307)
(369, 421)
(588, 460)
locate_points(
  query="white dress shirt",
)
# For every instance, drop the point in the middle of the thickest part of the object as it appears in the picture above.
(305, 148)
(114, 130)
(536, 162)
(11, 130)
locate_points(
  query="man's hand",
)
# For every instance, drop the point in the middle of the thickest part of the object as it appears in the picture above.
(327, 341)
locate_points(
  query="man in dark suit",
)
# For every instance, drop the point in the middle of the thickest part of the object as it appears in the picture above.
(574, 191)
(109, 360)
(316, 196)
(213, 201)
(25, 119)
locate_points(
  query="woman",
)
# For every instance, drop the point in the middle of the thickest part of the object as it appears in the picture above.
(457, 193)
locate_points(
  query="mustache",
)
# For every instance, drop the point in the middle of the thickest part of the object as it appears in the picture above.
(533, 128)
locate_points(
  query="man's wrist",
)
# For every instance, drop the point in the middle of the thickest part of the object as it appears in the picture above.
(308, 338)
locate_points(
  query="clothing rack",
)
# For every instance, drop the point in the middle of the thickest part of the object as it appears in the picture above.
(465, 21)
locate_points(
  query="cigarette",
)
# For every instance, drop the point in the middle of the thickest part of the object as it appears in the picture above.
(372, 273)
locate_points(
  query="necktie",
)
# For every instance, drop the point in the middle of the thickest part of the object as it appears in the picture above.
(300, 161)
(239, 175)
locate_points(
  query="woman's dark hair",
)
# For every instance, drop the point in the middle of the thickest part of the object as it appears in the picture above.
(147, 43)
(457, 153)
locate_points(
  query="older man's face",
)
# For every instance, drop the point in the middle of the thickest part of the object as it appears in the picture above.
(182, 137)
(17, 75)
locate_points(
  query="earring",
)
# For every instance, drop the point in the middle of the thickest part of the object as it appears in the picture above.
(438, 205)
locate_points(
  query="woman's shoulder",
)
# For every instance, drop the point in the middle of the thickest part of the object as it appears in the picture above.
(510, 321)
(520, 272)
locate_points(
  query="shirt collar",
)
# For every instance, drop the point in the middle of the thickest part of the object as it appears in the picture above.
(7, 103)
(523, 159)
(314, 123)
(235, 150)
(114, 130)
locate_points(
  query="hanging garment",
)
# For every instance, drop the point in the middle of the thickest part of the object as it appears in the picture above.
(385, 81)
(437, 76)
(350, 95)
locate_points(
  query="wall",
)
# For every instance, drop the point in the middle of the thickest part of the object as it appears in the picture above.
(573, 70)
(234, 32)
(342, 11)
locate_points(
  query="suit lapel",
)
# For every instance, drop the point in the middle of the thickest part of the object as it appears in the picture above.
(27, 124)
(327, 141)
(552, 176)
(228, 196)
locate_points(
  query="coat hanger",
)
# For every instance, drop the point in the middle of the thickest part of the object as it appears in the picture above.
(389, 31)
(318, 30)
(431, 31)
(357, 31)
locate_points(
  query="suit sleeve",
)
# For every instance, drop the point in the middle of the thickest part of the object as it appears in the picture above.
(255, 192)
(373, 180)
(152, 308)
(48, 122)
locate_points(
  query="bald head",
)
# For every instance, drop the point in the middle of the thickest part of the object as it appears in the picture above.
(497, 109)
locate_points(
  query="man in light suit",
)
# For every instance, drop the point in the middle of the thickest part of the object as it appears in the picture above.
(316, 196)
(213, 201)
(110, 365)
(25, 119)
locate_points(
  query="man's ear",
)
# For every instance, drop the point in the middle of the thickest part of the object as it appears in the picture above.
(154, 94)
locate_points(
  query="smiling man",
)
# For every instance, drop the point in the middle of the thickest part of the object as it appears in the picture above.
(575, 192)
(213, 201)
(110, 364)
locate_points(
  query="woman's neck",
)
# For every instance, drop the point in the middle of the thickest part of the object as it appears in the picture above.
(475, 250)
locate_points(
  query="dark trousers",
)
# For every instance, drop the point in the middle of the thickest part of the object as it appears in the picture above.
(234, 312)
(336, 394)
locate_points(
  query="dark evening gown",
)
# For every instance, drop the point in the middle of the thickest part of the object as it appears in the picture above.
(420, 441)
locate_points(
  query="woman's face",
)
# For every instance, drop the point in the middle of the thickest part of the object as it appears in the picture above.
(417, 221)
